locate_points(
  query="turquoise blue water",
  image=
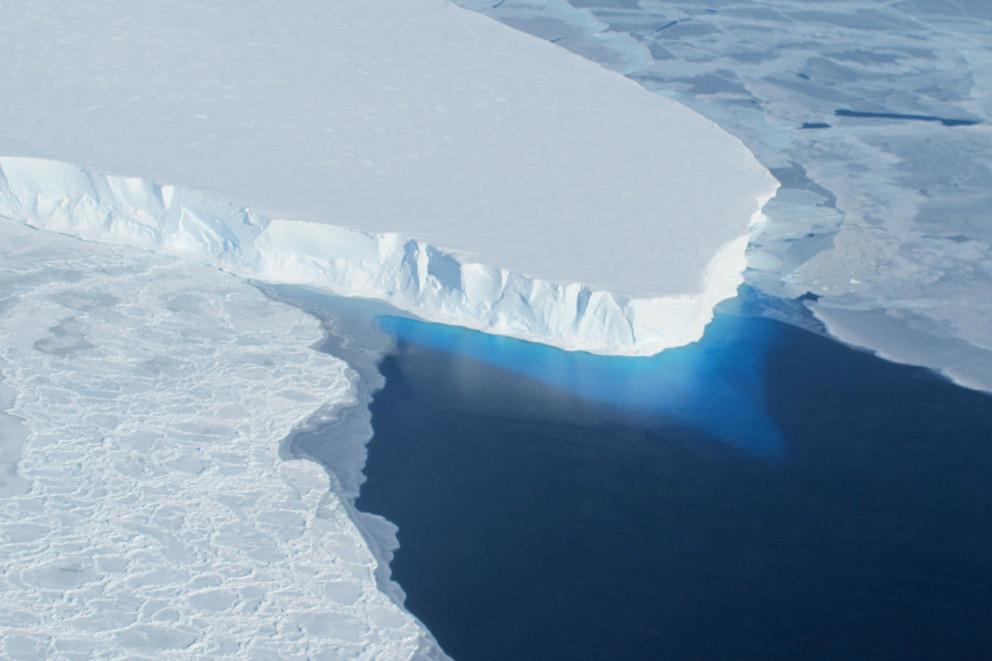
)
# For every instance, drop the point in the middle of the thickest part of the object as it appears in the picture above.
(715, 386)
(764, 494)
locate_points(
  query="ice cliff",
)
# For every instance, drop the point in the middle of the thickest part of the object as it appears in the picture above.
(410, 274)
(469, 173)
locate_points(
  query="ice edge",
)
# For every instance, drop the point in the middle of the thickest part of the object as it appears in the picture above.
(407, 273)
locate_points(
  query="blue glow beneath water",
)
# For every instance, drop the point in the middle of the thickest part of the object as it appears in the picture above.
(565, 506)
(714, 386)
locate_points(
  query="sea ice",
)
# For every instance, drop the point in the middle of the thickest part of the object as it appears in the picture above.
(12, 435)
(158, 517)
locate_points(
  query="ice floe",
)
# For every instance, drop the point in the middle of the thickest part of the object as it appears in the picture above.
(158, 519)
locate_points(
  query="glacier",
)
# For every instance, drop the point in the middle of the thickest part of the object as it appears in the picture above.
(411, 275)
(159, 161)
(406, 120)
(881, 217)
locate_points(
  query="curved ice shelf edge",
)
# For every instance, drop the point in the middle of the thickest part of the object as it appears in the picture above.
(427, 281)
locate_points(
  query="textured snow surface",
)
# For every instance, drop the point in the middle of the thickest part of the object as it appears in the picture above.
(408, 273)
(885, 218)
(12, 436)
(409, 116)
(158, 520)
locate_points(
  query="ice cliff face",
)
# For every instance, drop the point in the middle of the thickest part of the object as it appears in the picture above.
(408, 273)
(563, 202)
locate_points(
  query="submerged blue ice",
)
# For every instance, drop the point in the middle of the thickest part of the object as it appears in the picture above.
(714, 385)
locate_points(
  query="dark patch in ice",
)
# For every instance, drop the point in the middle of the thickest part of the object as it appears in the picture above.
(667, 25)
(185, 303)
(688, 28)
(866, 114)
(66, 339)
(815, 125)
(794, 176)
(862, 19)
(85, 301)
(715, 83)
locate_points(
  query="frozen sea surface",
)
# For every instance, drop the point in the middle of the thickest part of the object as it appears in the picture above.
(150, 515)
(12, 436)
(884, 209)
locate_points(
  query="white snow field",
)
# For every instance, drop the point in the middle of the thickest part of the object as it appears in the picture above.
(554, 199)
(885, 218)
(158, 520)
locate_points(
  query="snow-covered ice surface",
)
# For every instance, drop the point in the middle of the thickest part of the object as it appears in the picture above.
(158, 519)
(408, 273)
(408, 150)
(12, 436)
(413, 117)
(884, 217)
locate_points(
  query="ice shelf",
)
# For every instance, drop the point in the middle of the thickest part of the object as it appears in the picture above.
(883, 154)
(547, 197)
(408, 273)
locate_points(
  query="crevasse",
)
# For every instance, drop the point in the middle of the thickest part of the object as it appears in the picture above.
(416, 277)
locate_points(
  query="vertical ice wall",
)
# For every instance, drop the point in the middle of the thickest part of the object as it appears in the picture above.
(874, 119)
(410, 274)
(520, 161)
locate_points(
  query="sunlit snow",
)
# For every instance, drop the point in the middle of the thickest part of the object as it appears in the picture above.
(158, 516)
(874, 117)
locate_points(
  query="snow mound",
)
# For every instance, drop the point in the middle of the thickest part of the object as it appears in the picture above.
(410, 274)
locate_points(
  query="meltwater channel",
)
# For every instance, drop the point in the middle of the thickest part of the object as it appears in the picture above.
(766, 493)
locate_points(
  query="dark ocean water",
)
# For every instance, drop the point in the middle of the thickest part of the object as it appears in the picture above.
(764, 494)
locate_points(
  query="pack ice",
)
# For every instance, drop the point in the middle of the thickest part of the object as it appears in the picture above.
(434, 158)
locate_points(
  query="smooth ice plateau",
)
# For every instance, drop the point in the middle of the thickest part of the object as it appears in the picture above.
(409, 151)
(563, 202)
